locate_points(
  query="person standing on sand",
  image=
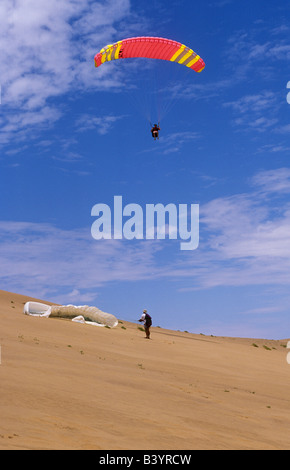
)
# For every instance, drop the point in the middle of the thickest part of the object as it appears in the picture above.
(147, 320)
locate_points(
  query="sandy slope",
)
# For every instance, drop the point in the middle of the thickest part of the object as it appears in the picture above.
(72, 386)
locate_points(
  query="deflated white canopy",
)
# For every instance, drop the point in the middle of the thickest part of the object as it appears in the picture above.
(81, 314)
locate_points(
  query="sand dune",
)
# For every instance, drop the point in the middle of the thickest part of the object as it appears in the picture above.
(72, 386)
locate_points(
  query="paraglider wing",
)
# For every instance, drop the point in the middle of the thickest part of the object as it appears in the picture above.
(151, 48)
(82, 313)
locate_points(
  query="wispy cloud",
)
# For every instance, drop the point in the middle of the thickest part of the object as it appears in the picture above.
(283, 129)
(256, 112)
(174, 142)
(252, 62)
(255, 103)
(221, 3)
(45, 261)
(23, 123)
(248, 235)
(272, 181)
(102, 124)
(247, 49)
(244, 241)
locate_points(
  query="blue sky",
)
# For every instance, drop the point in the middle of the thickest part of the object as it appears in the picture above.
(72, 136)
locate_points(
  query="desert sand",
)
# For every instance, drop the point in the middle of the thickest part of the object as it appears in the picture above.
(74, 386)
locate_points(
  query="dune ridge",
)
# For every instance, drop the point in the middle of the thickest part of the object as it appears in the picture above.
(71, 386)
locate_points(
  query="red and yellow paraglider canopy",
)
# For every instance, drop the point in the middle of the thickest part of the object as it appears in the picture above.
(151, 48)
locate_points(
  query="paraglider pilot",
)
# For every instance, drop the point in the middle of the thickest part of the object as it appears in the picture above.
(155, 131)
(147, 320)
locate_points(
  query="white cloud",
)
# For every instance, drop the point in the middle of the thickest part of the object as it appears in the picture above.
(47, 50)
